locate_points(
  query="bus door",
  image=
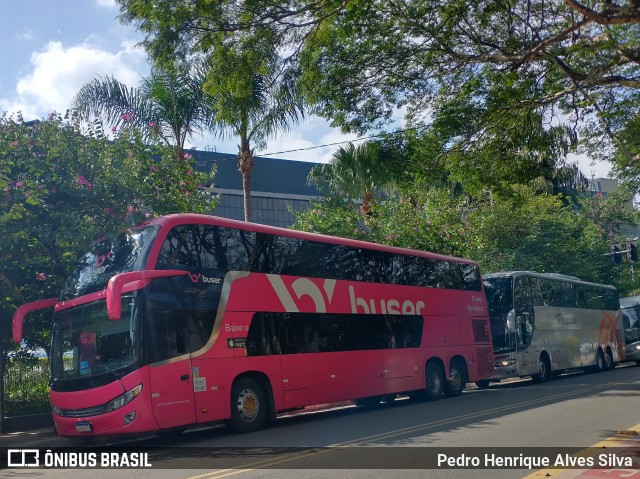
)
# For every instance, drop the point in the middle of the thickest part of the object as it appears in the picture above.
(524, 323)
(170, 373)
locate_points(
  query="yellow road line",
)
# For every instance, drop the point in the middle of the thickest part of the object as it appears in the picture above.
(398, 432)
(612, 441)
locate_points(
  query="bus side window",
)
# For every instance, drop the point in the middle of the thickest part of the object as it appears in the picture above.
(168, 335)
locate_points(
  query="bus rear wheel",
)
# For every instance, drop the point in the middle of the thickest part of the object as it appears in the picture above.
(599, 366)
(435, 382)
(248, 406)
(608, 360)
(457, 381)
(434, 388)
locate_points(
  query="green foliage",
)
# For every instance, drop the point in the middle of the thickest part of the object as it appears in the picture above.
(523, 230)
(61, 189)
(332, 215)
(537, 233)
(26, 387)
(168, 107)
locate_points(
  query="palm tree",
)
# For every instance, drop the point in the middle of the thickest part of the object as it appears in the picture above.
(358, 171)
(254, 100)
(167, 106)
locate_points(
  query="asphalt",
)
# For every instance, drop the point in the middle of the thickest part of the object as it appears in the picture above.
(625, 443)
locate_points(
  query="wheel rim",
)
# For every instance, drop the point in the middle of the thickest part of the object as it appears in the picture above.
(542, 368)
(248, 405)
(455, 379)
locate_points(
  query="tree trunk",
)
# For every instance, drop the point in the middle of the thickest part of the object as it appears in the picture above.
(245, 166)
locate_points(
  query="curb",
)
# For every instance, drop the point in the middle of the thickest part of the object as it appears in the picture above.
(27, 423)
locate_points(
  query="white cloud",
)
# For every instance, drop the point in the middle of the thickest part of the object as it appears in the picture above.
(58, 74)
(589, 168)
(106, 3)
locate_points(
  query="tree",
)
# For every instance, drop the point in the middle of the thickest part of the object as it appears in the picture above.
(563, 72)
(253, 97)
(169, 106)
(359, 172)
(59, 190)
(252, 84)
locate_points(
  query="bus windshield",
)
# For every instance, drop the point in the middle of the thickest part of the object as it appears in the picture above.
(85, 343)
(108, 258)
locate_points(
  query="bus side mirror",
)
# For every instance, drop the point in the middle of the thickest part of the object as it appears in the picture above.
(124, 282)
(22, 311)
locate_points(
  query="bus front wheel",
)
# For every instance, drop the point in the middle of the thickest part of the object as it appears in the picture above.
(248, 406)
(482, 384)
(544, 370)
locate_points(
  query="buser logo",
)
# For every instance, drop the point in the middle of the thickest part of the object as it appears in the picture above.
(303, 287)
(387, 306)
(322, 297)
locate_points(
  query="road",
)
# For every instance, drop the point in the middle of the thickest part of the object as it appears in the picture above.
(397, 440)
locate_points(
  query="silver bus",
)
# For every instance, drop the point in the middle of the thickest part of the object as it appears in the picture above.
(630, 310)
(544, 323)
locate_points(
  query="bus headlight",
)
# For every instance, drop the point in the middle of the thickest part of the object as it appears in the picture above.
(56, 410)
(126, 398)
(505, 362)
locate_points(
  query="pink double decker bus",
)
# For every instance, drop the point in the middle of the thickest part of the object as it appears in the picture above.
(192, 319)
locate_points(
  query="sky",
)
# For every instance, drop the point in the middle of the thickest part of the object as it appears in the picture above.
(54, 47)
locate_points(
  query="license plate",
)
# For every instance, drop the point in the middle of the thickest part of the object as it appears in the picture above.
(83, 426)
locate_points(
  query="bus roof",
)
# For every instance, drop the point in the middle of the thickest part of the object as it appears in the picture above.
(558, 276)
(191, 218)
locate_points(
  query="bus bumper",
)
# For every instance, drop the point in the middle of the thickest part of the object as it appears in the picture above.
(134, 418)
(505, 369)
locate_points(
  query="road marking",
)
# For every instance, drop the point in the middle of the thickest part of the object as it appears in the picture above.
(399, 432)
(613, 441)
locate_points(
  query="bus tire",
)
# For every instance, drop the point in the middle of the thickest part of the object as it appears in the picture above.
(483, 384)
(457, 381)
(248, 406)
(544, 370)
(599, 366)
(434, 380)
(608, 360)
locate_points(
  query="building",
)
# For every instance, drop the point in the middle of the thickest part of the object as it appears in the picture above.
(606, 186)
(277, 187)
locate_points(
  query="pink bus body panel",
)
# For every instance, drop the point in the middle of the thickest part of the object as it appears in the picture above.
(197, 388)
